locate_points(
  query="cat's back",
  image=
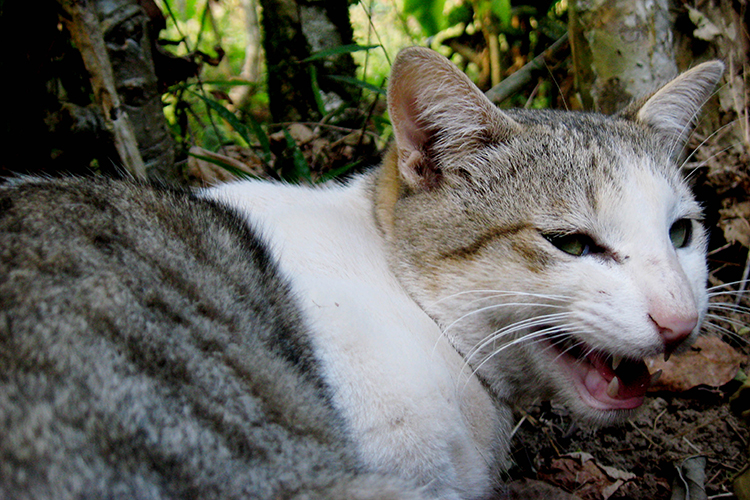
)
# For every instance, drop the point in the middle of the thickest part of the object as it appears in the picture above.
(149, 349)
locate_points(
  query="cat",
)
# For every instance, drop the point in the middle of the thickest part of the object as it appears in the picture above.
(357, 340)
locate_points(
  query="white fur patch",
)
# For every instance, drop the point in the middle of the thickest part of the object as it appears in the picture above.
(395, 378)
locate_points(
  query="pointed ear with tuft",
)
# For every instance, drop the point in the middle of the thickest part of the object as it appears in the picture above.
(672, 110)
(436, 110)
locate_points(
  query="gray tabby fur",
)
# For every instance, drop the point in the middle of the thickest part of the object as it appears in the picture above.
(149, 349)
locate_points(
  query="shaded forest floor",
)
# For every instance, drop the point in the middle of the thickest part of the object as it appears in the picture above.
(634, 460)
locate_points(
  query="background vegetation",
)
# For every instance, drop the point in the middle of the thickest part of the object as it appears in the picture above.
(194, 92)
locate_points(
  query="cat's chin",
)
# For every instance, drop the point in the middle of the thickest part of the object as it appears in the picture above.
(605, 385)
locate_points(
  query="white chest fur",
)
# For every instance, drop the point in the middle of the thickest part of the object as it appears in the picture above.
(395, 378)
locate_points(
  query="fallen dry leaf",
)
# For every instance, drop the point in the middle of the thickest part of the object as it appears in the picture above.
(734, 223)
(709, 361)
(524, 489)
(581, 473)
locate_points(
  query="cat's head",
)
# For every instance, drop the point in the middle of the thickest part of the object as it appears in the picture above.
(556, 250)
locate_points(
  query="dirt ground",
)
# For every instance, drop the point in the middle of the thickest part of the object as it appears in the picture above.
(637, 459)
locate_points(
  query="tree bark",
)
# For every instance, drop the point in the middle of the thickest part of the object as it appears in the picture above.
(293, 30)
(621, 49)
(114, 41)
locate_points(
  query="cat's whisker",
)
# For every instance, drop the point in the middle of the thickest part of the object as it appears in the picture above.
(724, 306)
(499, 306)
(713, 134)
(723, 319)
(445, 330)
(679, 141)
(540, 335)
(545, 333)
(696, 168)
(712, 289)
(714, 328)
(513, 328)
(500, 293)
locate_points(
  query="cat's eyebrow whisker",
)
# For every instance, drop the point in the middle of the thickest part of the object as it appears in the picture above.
(689, 124)
(694, 169)
(714, 133)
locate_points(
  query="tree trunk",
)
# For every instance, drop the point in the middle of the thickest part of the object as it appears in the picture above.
(293, 30)
(114, 41)
(621, 49)
(251, 65)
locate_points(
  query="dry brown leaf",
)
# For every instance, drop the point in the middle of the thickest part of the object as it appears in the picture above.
(709, 361)
(524, 489)
(209, 174)
(735, 223)
(581, 473)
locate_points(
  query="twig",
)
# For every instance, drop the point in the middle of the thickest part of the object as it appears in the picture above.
(643, 434)
(743, 283)
(656, 420)
(522, 77)
(518, 426)
(87, 35)
(697, 450)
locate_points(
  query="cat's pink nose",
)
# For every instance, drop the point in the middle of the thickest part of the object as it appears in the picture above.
(675, 329)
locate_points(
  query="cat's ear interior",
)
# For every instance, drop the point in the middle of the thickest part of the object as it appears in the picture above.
(434, 109)
(672, 110)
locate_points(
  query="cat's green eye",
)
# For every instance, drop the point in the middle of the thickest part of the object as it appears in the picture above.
(681, 232)
(575, 244)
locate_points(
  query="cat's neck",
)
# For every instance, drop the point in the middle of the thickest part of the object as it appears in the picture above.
(393, 373)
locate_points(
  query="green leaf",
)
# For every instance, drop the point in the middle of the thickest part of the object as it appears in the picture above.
(301, 167)
(226, 166)
(503, 11)
(342, 49)
(316, 91)
(338, 172)
(429, 13)
(241, 128)
(262, 137)
(358, 83)
(227, 115)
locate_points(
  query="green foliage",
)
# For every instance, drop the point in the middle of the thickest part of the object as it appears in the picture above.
(429, 13)
(202, 112)
(301, 170)
(343, 49)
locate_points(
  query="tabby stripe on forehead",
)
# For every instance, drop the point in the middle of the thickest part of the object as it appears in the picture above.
(482, 241)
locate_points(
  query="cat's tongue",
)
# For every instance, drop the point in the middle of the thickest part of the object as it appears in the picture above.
(621, 388)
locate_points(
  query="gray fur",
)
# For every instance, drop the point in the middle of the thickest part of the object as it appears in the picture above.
(148, 349)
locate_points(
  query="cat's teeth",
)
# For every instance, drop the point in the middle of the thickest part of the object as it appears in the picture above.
(614, 387)
(667, 355)
(616, 361)
(655, 376)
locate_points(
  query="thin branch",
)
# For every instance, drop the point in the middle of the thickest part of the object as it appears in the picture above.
(522, 77)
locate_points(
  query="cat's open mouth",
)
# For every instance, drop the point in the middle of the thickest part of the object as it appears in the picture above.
(603, 381)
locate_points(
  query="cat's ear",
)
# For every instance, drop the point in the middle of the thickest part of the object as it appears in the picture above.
(435, 109)
(672, 110)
